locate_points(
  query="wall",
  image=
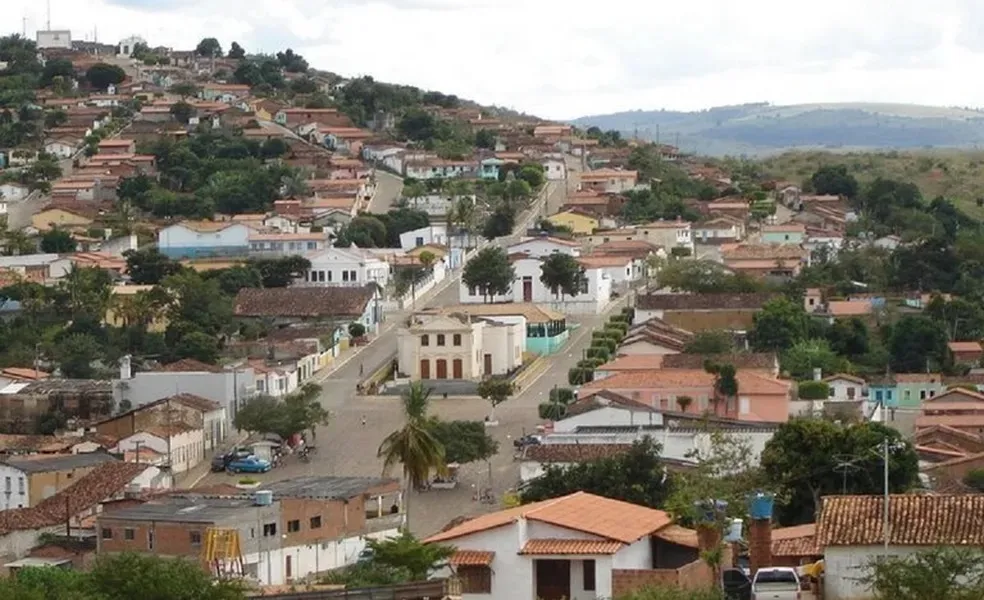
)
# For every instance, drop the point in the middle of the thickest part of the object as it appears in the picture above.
(270, 566)
(845, 567)
(512, 573)
(16, 492)
(16, 544)
(156, 416)
(178, 241)
(608, 416)
(503, 343)
(224, 388)
(47, 484)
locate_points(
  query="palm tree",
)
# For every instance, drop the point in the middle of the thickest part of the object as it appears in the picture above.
(17, 243)
(294, 185)
(413, 445)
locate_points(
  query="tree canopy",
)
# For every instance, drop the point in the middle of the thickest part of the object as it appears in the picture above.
(489, 272)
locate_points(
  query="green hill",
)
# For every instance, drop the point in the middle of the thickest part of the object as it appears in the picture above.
(759, 129)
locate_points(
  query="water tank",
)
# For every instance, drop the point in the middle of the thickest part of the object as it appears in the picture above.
(760, 505)
(733, 532)
(263, 498)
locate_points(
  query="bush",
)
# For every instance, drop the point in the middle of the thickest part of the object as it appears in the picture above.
(552, 411)
(679, 252)
(616, 332)
(248, 481)
(814, 390)
(629, 313)
(580, 376)
(975, 480)
(609, 343)
(601, 352)
(357, 330)
(562, 395)
(619, 318)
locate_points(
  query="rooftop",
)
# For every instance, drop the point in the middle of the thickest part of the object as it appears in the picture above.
(533, 313)
(190, 508)
(740, 360)
(45, 463)
(333, 488)
(303, 302)
(914, 520)
(188, 365)
(746, 301)
(569, 453)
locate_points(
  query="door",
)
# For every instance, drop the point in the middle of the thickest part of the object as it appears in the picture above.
(553, 579)
(442, 368)
(456, 370)
(527, 289)
(288, 571)
(425, 369)
(487, 367)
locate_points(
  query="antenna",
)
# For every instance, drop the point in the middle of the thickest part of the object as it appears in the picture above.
(48, 22)
(24, 27)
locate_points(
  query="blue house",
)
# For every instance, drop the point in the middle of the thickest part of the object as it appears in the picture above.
(489, 168)
(203, 239)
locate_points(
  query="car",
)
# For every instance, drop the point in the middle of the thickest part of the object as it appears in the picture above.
(249, 464)
(527, 440)
(776, 583)
(220, 461)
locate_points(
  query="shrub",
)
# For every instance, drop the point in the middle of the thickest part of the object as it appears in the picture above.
(616, 331)
(248, 481)
(552, 411)
(975, 479)
(590, 363)
(357, 330)
(601, 352)
(619, 318)
(679, 252)
(814, 390)
(580, 376)
(562, 395)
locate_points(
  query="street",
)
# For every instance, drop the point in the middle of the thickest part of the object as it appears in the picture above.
(347, 447)
(388, 189)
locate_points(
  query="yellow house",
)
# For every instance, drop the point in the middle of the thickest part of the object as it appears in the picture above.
(438, 250)
(60, 218)
(113, 318)
(580, 222)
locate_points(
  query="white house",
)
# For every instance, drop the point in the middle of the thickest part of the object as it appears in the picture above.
(554, 168)
(850, 533)
(60, 148)
(193, 239)
(578, 547)
(593, 296)
(287, 244)
(544, 246)
(456, 346)
(12, 192)
(126, 46)
(431, 234)
(27, 480)
(49, 266)
(277, 381)
(183, 444)
(346, 267)
(845, 387)
(623, 270)
(721, 230)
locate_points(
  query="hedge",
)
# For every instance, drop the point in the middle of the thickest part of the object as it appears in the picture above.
(579, 376)
(814, 390)
(598, 352)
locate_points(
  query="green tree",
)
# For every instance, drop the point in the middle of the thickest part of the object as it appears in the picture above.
(57, 241)
(407, 552)
(801, 461)
(148, 266)
(806, 355)
(102, 75)
(562, 274)
(780, 324)
(485, 138)
(501, 222)
(280, 272)
(704, 277)
(209, 47)
(236, 51)
(975, 480)
(917, 344)
(75, 355)
(533, 175)
(55, 118)
(637, 476)
(299, 411)
(184, 89)
(489, 272)
(725, 382)
(56, 67)
(954, 573)
(835, 180)
(463, 441)
(413, 445)
(363, 231)
(813, 390)
(182, 112)
(711, 341)
(495, 390)
(199, 346)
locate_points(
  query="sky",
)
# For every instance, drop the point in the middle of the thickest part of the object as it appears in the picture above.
(562, 59)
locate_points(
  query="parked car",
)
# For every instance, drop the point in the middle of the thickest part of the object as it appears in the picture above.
(736, 585)
(221, 461)
(776, 583)
(249, 464)
(527, 440)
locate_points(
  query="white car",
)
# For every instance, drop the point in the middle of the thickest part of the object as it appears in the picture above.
(776, 583)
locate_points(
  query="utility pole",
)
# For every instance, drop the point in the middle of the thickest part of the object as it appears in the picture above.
(24, 27)
(48, 21)
(136, 448)
(885, 525)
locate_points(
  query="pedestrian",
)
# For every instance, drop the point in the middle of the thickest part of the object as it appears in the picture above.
(363, 420)
(362, 369)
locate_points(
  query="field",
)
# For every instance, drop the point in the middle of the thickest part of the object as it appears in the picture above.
(954, 174)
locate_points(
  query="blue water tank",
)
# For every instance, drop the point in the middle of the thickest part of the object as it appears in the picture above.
(710, 509)
(263, 498)
(760, 505)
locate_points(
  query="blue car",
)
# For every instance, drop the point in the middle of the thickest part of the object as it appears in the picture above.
(248, 464)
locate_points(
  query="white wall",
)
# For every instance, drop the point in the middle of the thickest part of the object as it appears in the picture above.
(14, 489)
(505, 345)
(845, 567)
(599, 288)
(178, 237)
(840, 388)
(432, 234)
(330, 266)
(270, 566)
(541, 248)
(607, 416)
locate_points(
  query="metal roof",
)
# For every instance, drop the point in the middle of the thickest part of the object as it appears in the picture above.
(59, 462)
(339, 488)
(186, 509)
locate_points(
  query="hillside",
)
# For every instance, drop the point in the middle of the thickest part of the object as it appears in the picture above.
(760, 129)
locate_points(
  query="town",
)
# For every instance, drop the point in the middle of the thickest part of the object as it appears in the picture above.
(269, 331)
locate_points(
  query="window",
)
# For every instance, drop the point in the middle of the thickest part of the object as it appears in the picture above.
(878, 395)
(922, 394)
(345, 275)
(888, 394)
(440, 339)
(456, 339)
(316, 522)
(150, 539)
(588, 571)
(419, 241)
(269, 529)
(129, 534)
(106, 533)
(475, 579)
(20, 485)
(293, 526)
(195, 537)
(352, 276)
(329, 276)
(425, 340)
(831, 392)
(8, 485)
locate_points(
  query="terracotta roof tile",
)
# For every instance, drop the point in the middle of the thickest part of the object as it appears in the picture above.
(703, 301)
(761, 251)
(740, 360)
(569, 453)
(188, 365)
(678, 535)
(471, 558)
(748, 382)
(570, 546)
(914, 520)
(604, 517)
(799, 540)
(303, 302)
(635, 362)
(965, 346)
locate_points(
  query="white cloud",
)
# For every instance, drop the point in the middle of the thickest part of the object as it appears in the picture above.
(566, 58)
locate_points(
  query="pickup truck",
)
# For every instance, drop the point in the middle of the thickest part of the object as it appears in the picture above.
(777, 583)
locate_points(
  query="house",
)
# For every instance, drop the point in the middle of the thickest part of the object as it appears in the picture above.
(905, 390)
(846, 388)
(439, 168)
(62, 218)
(70, 511)
(719, 230)
(554, 168)
(544, 246)
(851, 533)
(337, 305)
(666, 234)
(608, 180)
(958, 408)
(12, 191)
(198, 412)
(773, 261)
(230, 387)
(621, 269)
(654, 336)
(10, 375)
(489, 168)
(702, 312)
(761, 398)
(182, 445)
(580, 222)
(30, 479)
(287, 244)
(223, 92)
(546, 329)
(196, 239)
(764, 363)
(575, 546)
(21, 404)
(351, 267)
(309, 525)
(968, 353)
(61, 147)
(460, 347)
(117, 146)
(787, 233)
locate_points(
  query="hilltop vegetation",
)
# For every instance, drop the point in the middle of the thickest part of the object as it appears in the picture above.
(757, 129)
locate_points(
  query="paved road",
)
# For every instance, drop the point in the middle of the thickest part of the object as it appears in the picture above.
(388, 189)
(346, 447)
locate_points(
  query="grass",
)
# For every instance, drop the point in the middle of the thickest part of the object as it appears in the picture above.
(955, 174)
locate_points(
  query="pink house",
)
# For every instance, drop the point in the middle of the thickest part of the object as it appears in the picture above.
(760, 397)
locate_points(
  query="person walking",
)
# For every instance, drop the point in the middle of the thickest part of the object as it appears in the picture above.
(363, 420)
(362, 369)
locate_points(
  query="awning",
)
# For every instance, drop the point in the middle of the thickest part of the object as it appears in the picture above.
(471, 558)
(570, 546)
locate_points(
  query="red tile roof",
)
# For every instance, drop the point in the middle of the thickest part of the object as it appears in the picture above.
(303, 302)
(188, 365)
(799, 540)
(563, 547)
(471, 558)
(914, 520)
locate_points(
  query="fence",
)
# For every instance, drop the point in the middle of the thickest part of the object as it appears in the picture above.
(421, 590)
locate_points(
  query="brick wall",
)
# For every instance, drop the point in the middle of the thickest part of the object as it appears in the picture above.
(170, 539)
(627, 580)
(759, 544)
(156, 416)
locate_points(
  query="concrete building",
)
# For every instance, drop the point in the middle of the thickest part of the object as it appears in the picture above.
(546, 329)
(346, 267)
(456, 346)
(196, 412)
(60, 38)
(28, 480)
(197, 239)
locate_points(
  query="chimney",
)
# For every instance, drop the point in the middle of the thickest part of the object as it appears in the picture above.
(125, 371)
(817, 374)
(760, 531)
